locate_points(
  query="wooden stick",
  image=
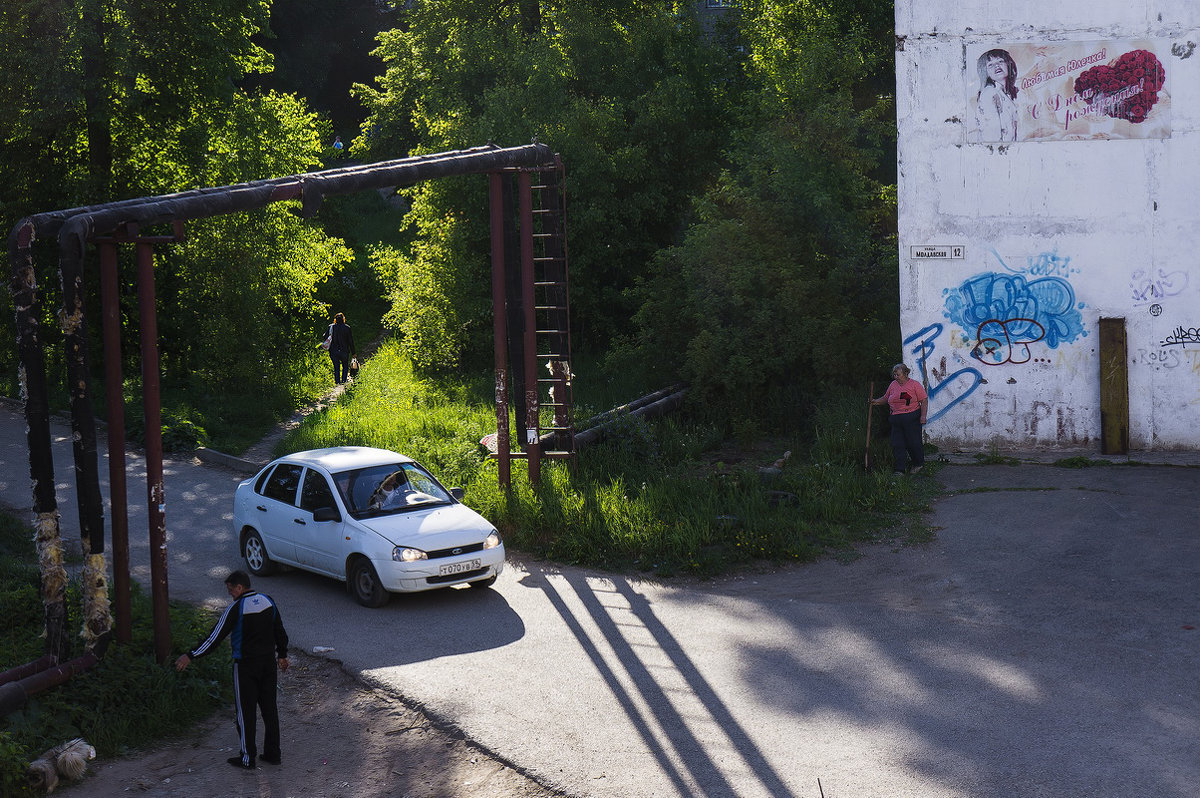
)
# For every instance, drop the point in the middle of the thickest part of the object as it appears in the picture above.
(870, 407)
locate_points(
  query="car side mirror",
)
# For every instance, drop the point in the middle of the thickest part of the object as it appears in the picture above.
(326, 514)
(457, 493)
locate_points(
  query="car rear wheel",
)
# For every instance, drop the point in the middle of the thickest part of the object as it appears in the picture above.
(481, 584)
(255, 552)
(364, 584)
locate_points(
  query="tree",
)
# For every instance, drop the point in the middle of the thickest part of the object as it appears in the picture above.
(787, 275)
(623, 91)
(113, 99)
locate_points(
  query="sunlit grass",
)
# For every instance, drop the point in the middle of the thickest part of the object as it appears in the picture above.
(654, 496)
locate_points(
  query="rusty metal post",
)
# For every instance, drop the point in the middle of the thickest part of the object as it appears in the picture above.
(155, 496)
(32, 375)
(500, 329)
(533, 447)
(115, 400)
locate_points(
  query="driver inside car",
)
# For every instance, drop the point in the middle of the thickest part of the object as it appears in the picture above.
(391, 492)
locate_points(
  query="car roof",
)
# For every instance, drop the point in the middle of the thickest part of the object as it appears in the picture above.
(339, 458)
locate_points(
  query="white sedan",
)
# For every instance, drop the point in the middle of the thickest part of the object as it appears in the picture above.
(372, 518)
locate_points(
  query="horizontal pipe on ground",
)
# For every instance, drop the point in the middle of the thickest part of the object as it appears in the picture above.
(15, 695)
(600, 418)
(651, 410)
(28, 669)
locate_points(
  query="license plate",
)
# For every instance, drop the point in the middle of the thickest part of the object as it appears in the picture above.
(460, 567)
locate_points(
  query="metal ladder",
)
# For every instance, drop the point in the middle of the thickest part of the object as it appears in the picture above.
(556, 426)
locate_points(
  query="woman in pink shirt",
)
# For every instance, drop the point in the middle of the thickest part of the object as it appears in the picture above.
(909, 404)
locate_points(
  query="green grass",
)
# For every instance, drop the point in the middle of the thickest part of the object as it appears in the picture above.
(669, 496)
(1080, 462)
(125, 702)
(995, 458)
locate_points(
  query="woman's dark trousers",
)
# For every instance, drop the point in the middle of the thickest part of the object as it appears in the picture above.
(906, 440)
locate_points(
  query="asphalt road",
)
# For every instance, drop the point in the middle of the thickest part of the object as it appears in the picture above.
(1042, 646)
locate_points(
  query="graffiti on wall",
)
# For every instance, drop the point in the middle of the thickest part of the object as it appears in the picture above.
(1148, 286)
(946, 389)
(1010, 312)
(1182, 336)
(1043, 264)
(1170, 359)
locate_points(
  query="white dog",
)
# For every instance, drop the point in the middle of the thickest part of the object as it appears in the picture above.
(68, 760)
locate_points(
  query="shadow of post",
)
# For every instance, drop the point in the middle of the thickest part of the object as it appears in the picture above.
(668, 733)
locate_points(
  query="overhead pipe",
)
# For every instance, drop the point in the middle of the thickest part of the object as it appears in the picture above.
(75, 227)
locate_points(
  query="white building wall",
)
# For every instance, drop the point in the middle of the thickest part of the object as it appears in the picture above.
(1085, 229)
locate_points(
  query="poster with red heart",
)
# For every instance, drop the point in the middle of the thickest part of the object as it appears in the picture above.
(1067, 91)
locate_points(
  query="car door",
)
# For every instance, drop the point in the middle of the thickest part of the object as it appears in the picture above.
(319, 544)
(275, 508)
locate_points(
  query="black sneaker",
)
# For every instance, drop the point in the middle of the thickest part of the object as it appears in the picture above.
(274, 760)
(237, 762)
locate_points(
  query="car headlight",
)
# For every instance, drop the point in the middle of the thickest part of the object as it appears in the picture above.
(492, 540)
(401, 554)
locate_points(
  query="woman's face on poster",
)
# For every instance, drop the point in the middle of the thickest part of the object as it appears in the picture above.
(997, 68)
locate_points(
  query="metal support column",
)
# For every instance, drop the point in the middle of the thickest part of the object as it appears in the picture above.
(115, 401)
(155, 494)
(500, 329)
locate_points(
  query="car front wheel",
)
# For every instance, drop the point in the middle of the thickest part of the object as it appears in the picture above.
(257, 559)
(364, 584)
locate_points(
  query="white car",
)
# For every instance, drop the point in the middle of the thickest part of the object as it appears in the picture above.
(372, 518)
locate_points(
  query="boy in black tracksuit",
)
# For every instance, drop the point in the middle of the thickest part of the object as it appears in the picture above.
(256, 633)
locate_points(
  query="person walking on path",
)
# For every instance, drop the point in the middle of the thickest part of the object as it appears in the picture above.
(260, 646)
(341, 348)
(909, 404)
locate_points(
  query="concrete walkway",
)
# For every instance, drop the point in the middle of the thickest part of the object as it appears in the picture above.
(1044, 645)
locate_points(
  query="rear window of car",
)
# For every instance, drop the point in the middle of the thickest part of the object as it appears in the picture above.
(282, 483)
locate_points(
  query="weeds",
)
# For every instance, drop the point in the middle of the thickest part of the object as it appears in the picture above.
(651, 497)
(1080, 462)
(993, 457)
(126, 701)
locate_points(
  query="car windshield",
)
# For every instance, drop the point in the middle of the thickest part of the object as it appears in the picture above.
(385, 489)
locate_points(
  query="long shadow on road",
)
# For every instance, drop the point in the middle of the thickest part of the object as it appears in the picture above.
(662, 692)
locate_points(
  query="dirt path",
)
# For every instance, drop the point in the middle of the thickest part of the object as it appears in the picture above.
(340, 740)
(263, 451)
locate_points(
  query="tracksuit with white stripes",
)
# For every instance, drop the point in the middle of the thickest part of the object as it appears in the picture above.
(256, 633)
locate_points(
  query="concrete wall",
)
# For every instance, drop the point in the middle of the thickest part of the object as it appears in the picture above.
(1011, 252)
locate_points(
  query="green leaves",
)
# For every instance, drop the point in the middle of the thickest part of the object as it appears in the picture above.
(787, 275)
(622, 91)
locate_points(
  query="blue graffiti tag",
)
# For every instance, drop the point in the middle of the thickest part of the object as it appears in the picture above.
(1044, 264)
(1008, 312)
(957, 386)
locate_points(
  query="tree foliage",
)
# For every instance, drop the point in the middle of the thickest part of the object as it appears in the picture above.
(113, 99)
(623, 91)
(787, 274)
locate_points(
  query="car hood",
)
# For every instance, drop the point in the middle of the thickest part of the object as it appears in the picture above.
(432, 529)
